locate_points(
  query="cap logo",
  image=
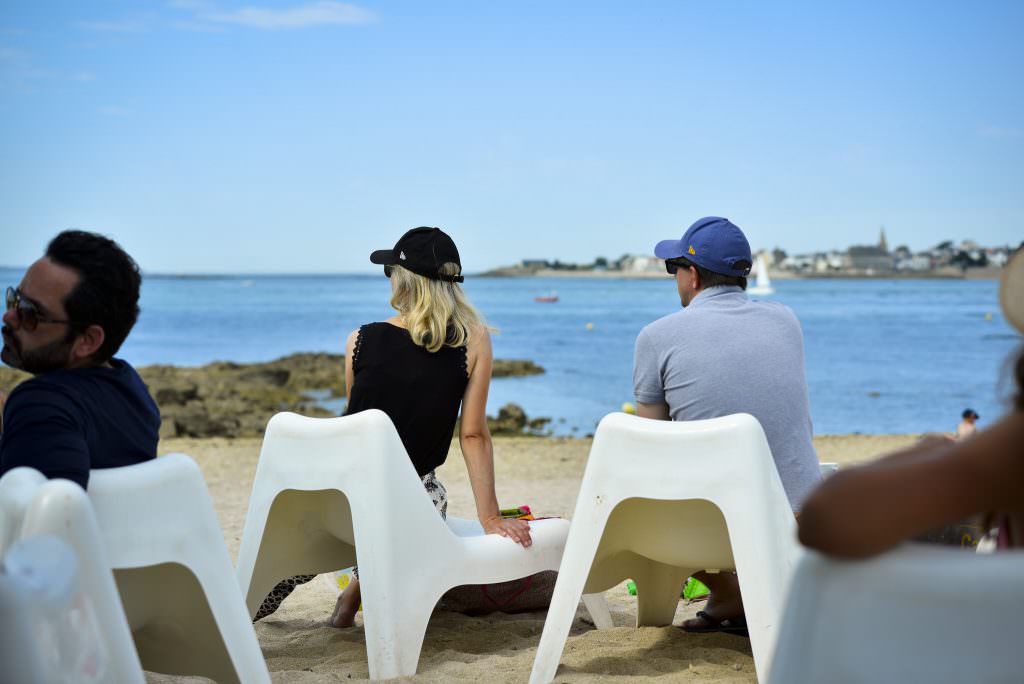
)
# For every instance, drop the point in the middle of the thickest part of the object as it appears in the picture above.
(691, 250)
(401, 255)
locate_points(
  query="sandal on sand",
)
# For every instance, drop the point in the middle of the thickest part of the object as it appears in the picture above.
(736, 625)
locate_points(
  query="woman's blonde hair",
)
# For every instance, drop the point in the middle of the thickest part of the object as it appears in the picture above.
(436, 312)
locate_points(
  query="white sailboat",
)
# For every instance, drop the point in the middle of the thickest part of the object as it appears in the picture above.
(763, 284)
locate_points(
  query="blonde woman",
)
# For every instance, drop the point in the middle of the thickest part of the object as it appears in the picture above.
(419, 366)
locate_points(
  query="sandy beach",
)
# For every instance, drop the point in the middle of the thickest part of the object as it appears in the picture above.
(544, 473)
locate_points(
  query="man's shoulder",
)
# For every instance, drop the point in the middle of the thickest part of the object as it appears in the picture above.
(42, 401)
(777, 311)
(51, 385)
(770, 306)
(69, 384)
(665, 323)
(676, 328)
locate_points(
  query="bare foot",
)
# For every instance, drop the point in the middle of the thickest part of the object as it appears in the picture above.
(724, 602)
(347, 606)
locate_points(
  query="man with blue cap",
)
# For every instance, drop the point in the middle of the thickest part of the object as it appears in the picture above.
(724, 353)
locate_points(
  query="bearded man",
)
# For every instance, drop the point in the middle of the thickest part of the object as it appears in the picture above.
(64, 322)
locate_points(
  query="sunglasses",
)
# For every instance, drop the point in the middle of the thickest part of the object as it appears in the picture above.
(28, 313)
(387, 271)
(673, 265)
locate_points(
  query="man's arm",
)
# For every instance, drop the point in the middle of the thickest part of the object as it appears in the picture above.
(43, 433)
(648, 387)
(654, 411)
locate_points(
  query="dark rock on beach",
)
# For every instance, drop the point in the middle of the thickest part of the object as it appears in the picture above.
(506, 368)
(225, 399)
(511, 420)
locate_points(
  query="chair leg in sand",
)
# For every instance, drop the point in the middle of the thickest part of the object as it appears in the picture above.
(333, 491)
(661, 500)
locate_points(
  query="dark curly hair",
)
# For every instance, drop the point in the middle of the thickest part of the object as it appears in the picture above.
(107, 293)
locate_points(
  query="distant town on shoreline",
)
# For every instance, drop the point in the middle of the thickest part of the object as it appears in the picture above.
(966, 259)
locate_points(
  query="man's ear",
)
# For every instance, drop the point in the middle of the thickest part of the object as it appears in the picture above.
(694, 278)
(87, 343)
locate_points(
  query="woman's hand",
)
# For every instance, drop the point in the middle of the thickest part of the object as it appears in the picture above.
(516, 530)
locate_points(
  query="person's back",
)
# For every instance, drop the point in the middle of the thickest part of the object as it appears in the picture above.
(726, 354)
(419, 390)
(67, 422)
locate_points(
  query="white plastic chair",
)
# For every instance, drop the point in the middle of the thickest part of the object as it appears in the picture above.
(18, 487)
(65, 619)
(661, 500)
(173, 571)
(920, 613)
(330, 489)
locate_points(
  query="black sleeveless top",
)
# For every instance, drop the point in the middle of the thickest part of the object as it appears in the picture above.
(419, 390)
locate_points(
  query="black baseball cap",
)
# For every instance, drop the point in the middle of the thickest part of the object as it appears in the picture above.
(970, 413)
(423, 251)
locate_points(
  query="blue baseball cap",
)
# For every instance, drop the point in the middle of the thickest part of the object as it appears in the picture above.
(714, 243)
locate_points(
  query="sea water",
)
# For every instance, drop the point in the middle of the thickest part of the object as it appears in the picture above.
(883, 356)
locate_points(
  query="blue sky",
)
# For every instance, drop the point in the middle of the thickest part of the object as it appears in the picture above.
(298, 136)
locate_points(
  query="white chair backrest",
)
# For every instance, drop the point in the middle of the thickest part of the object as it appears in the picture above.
(361, 454)
(17, 489)
(920, 613)
(141, 503)
(729, 453)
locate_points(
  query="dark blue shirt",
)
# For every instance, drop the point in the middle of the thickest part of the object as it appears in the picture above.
(66, 422)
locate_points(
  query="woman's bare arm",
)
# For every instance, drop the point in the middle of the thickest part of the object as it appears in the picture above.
(475, 439)
(866, 510)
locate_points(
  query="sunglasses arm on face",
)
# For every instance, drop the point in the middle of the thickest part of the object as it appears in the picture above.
(673, 265)
(28, 312)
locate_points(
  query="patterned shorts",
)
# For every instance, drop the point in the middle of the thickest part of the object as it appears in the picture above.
(439, 497)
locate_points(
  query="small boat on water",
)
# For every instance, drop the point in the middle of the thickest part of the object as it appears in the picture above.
(763, 284)
(550, 298)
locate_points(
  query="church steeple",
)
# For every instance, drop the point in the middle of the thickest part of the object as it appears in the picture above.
(882, 244)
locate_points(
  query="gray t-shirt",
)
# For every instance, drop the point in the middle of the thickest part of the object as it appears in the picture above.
(726, 354)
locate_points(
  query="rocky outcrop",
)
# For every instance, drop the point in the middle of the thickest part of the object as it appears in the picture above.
(506, 368)
(512, 420)
(224, 399)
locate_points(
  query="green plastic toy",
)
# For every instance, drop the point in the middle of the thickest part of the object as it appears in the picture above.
(694, 589)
